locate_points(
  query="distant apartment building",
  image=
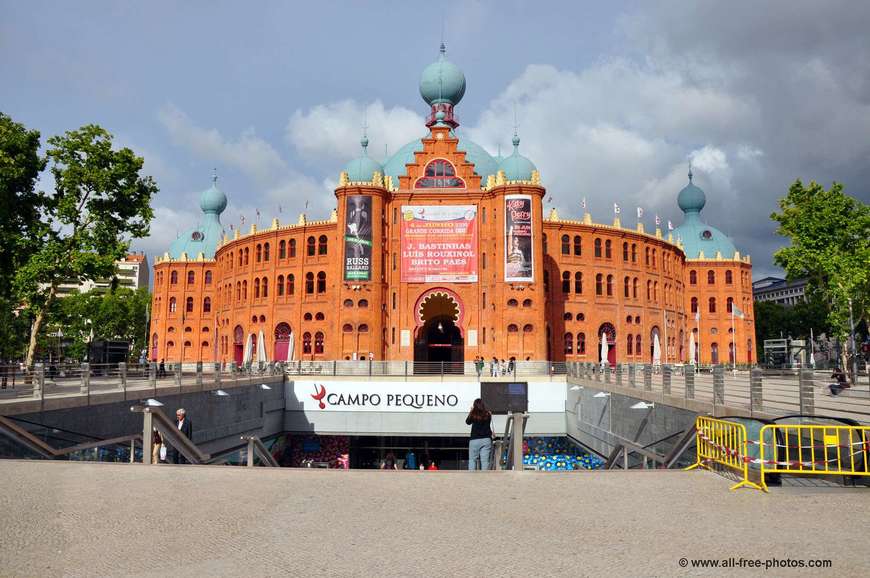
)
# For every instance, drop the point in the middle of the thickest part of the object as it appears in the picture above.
(131, 272)
(779, 290)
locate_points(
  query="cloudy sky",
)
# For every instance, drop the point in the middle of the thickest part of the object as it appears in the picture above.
(612, 101)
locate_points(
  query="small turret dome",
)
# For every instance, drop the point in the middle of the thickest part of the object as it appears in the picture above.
(691, 199)
(442, 81)
(362, 169)
(516, 167)
(212, 200)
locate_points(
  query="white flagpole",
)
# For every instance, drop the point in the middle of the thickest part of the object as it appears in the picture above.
(665, 331)
(698, 325)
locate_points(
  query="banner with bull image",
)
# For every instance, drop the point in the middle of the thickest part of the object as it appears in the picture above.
(519, 265)
(358, 238)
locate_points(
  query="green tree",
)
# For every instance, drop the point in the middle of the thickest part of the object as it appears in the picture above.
(830, 245)
(20, 222)
(100, 202)
(775, 321)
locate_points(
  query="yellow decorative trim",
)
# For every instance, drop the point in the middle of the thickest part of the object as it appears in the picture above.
(554, 215)
(342, 179)
(616, 223)
(333, 216)
(499, 178)
(301, 220)
(658, 233)
(640, 228)
(536, 178)
(377, 179)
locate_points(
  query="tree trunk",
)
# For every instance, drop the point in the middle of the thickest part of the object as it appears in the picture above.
(36, 326)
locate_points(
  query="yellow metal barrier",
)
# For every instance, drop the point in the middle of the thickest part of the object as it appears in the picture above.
(814, 449)
(724, 443)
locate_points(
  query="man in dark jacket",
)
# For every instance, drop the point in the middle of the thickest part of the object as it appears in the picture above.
(182, 422)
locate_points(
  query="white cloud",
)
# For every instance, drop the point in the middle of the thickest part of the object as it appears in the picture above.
(249, 153)
(333, 130)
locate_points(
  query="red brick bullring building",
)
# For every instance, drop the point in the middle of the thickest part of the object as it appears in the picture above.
(443, 253)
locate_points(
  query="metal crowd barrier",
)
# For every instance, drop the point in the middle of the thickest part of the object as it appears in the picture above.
(814, 449)
(723, 443)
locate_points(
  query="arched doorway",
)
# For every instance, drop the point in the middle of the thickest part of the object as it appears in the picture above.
(238, 344)
(655, 337)
(282, 342)
(439, 338)
(154, 347)
(608, 331)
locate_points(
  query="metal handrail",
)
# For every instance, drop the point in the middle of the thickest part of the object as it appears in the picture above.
(27, 439)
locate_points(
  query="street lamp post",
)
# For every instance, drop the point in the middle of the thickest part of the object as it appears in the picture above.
(852, 345)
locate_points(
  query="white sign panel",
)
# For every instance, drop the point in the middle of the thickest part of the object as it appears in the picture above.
(410, 396)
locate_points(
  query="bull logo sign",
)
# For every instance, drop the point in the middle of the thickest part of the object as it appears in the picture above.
(318, 395)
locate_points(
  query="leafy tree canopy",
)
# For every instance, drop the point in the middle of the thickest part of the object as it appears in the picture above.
(830, 245)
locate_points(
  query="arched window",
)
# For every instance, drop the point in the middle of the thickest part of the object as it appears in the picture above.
(363, 328)
(266, 252)
(282, 249)
(191, 277)
(598, 248)
(348, 303)
(569, 343)
(712, 305)
(308, 317)
(566, 282)
(241, 253)
(265, 287)
(363, 304)
(634, 253)
(439, 174)
(629, 344)
(625, 251)
(655, 291)
(347, 328)
(629, 319)
(581, 317)
(711, 277)
(512, 328)
(173, 278)
(172, 304)
(581, 343)
(259, 252)
(729, 306)
(318, 342)
(247, 256)
(306, 342)
(566, 245)
(321, 245)
(292, 244)
(607, 249)
(649, 290)
(729, 277)
(309, 283)
(626, 287)
(527, 328)
(208, 277)
(599, 284)
(694, 304)
(693, 277)
(578, 282)
(311, 247)
(610, 285)
(188, 305)
(256, 288)
(714, 353)
(321, 282)
(527, 302)
(653, 257)
(291, 284)
(634, 286)
(279, 285)
(319, 316)
(512, 303)
(206, 305)
(578, 245)
(638, 350)
(567, 316)
(238, 291)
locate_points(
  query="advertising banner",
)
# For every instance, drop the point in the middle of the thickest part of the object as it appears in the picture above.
(358, 238)
(518, 265)
(439, 244)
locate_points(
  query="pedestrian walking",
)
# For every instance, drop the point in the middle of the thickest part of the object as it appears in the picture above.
(184, 425)
(158, 453)
(493, 367)
(840, 384)
(410, 460)
(480, 444)
(161, 370)
(512, 366)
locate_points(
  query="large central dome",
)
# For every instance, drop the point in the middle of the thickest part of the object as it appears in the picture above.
(484, 163)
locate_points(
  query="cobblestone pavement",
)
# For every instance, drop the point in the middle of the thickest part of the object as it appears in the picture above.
(80, 519)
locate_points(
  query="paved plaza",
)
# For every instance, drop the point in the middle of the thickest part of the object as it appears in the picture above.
(81, 519)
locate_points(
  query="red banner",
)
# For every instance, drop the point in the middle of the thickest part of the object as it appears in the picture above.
(439, 244)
